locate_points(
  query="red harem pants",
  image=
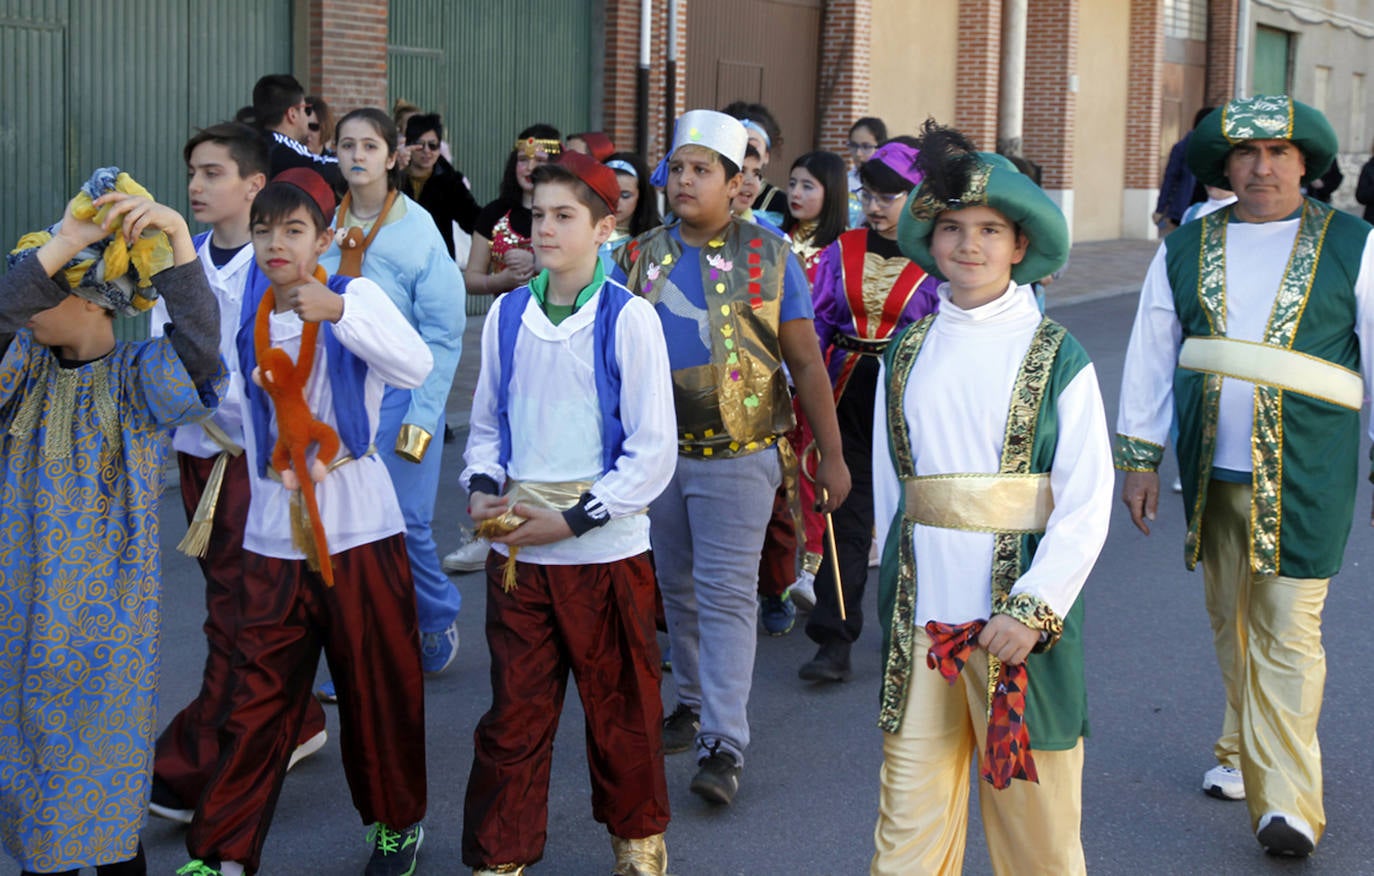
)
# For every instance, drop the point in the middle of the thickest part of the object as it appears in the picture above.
(778, 564)
(366, 625)
(188, 750)
(596, 620)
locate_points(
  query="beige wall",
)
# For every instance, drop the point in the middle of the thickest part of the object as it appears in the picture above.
(1099, 146)
(912, 74)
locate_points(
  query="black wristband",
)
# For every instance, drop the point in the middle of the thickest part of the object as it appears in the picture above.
(586, 515)
(483, 484)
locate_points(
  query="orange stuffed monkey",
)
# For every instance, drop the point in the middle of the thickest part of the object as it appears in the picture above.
(297, 428)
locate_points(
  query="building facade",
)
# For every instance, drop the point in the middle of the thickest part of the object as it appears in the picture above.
(1093, 91)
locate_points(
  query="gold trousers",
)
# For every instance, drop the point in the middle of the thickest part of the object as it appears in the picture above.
(923, 802)
(1268, 636)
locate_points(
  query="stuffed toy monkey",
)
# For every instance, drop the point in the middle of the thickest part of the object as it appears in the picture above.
(297, 428)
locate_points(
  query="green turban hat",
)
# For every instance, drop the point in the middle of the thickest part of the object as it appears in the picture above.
(956, 179)
(1264, 117)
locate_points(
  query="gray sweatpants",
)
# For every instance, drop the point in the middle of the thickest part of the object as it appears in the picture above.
(707, 531)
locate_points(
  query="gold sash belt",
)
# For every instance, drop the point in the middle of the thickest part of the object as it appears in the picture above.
(980, 502)
(197, 539)
(339, 462)
(1274, 366)
(555, 495)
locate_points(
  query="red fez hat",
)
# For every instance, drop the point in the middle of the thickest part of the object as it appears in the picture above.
(598, 144)
(313, 185)
(598, 177)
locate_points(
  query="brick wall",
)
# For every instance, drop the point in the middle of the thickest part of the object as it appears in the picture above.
(1144, 94)
(621, 72)
(1221, 51)
(347, 47)
(1051, 58)
(843, 87)
(978, 66)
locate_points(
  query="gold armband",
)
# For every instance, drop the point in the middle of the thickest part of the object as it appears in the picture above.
(412, 442)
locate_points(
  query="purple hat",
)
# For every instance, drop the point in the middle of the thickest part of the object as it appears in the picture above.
(901, 159)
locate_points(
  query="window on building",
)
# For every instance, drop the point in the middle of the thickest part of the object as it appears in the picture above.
(1321, 87)
(1273, 57)
(1357, 132)
(1185, 19)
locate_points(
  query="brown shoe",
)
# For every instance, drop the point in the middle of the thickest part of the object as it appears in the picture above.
(640, 857)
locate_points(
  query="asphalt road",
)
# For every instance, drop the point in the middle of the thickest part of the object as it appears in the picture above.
(809, 793)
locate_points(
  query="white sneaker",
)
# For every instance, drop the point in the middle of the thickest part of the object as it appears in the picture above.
(1224, 783)
(803, 591)
(471, 557)
(1282, 834)
(307, 748)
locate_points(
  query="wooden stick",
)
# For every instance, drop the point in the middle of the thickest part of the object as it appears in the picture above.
(834, 557)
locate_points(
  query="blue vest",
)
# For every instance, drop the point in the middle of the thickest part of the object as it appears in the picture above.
(347, 377)
(612, 299)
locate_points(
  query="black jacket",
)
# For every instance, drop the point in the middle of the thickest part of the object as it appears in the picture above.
(1364, 190)
(447, 199)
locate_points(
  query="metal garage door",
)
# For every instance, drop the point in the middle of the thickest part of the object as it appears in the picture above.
(761, 51)
(491, 69)
(85, 83)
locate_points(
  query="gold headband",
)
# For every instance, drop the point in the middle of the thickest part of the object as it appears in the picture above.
(532, 146)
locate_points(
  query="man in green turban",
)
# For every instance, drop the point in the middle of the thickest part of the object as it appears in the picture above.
(1249, 332)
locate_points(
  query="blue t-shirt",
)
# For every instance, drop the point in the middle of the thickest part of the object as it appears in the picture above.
(686, 327)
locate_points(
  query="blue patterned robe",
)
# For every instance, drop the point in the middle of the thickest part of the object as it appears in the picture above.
(82, 457)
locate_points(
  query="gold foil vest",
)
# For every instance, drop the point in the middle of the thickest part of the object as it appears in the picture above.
(738, 403)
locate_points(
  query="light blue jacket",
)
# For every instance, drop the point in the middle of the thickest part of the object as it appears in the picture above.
(409, 260)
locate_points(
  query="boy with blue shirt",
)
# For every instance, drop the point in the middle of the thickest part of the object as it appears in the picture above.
(735, 306)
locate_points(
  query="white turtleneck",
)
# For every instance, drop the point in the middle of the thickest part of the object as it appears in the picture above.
(956, 404)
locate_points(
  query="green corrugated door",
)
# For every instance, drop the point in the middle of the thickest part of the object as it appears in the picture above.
(89, 83)
(491, 69)
(1273, 53)
(33, 121)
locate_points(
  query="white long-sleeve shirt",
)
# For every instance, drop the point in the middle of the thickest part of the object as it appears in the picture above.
(357, 500)
(957, 401)
(555, 421)
(1256, 259)
(229, 284)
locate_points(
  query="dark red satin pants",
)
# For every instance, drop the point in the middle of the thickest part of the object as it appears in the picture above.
(188, 750)
(778, 563)
(597, 621)
(366, 626)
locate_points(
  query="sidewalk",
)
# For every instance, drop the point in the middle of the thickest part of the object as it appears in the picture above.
(1101, 269)
(1098, 269)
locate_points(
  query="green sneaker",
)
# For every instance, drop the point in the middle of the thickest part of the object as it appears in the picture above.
(393, 851)
(198, 868)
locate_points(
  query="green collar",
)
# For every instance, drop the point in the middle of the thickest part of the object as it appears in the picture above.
(539, 287)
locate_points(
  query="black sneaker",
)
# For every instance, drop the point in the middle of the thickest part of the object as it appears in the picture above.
(831, 663)
(717, 778)
(680, 729)
(165, 804)
(1285, 835)
(393, 851)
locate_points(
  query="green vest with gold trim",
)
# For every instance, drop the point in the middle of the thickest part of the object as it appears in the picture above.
(1305, 451)
(1057, 702)
(739, 403)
